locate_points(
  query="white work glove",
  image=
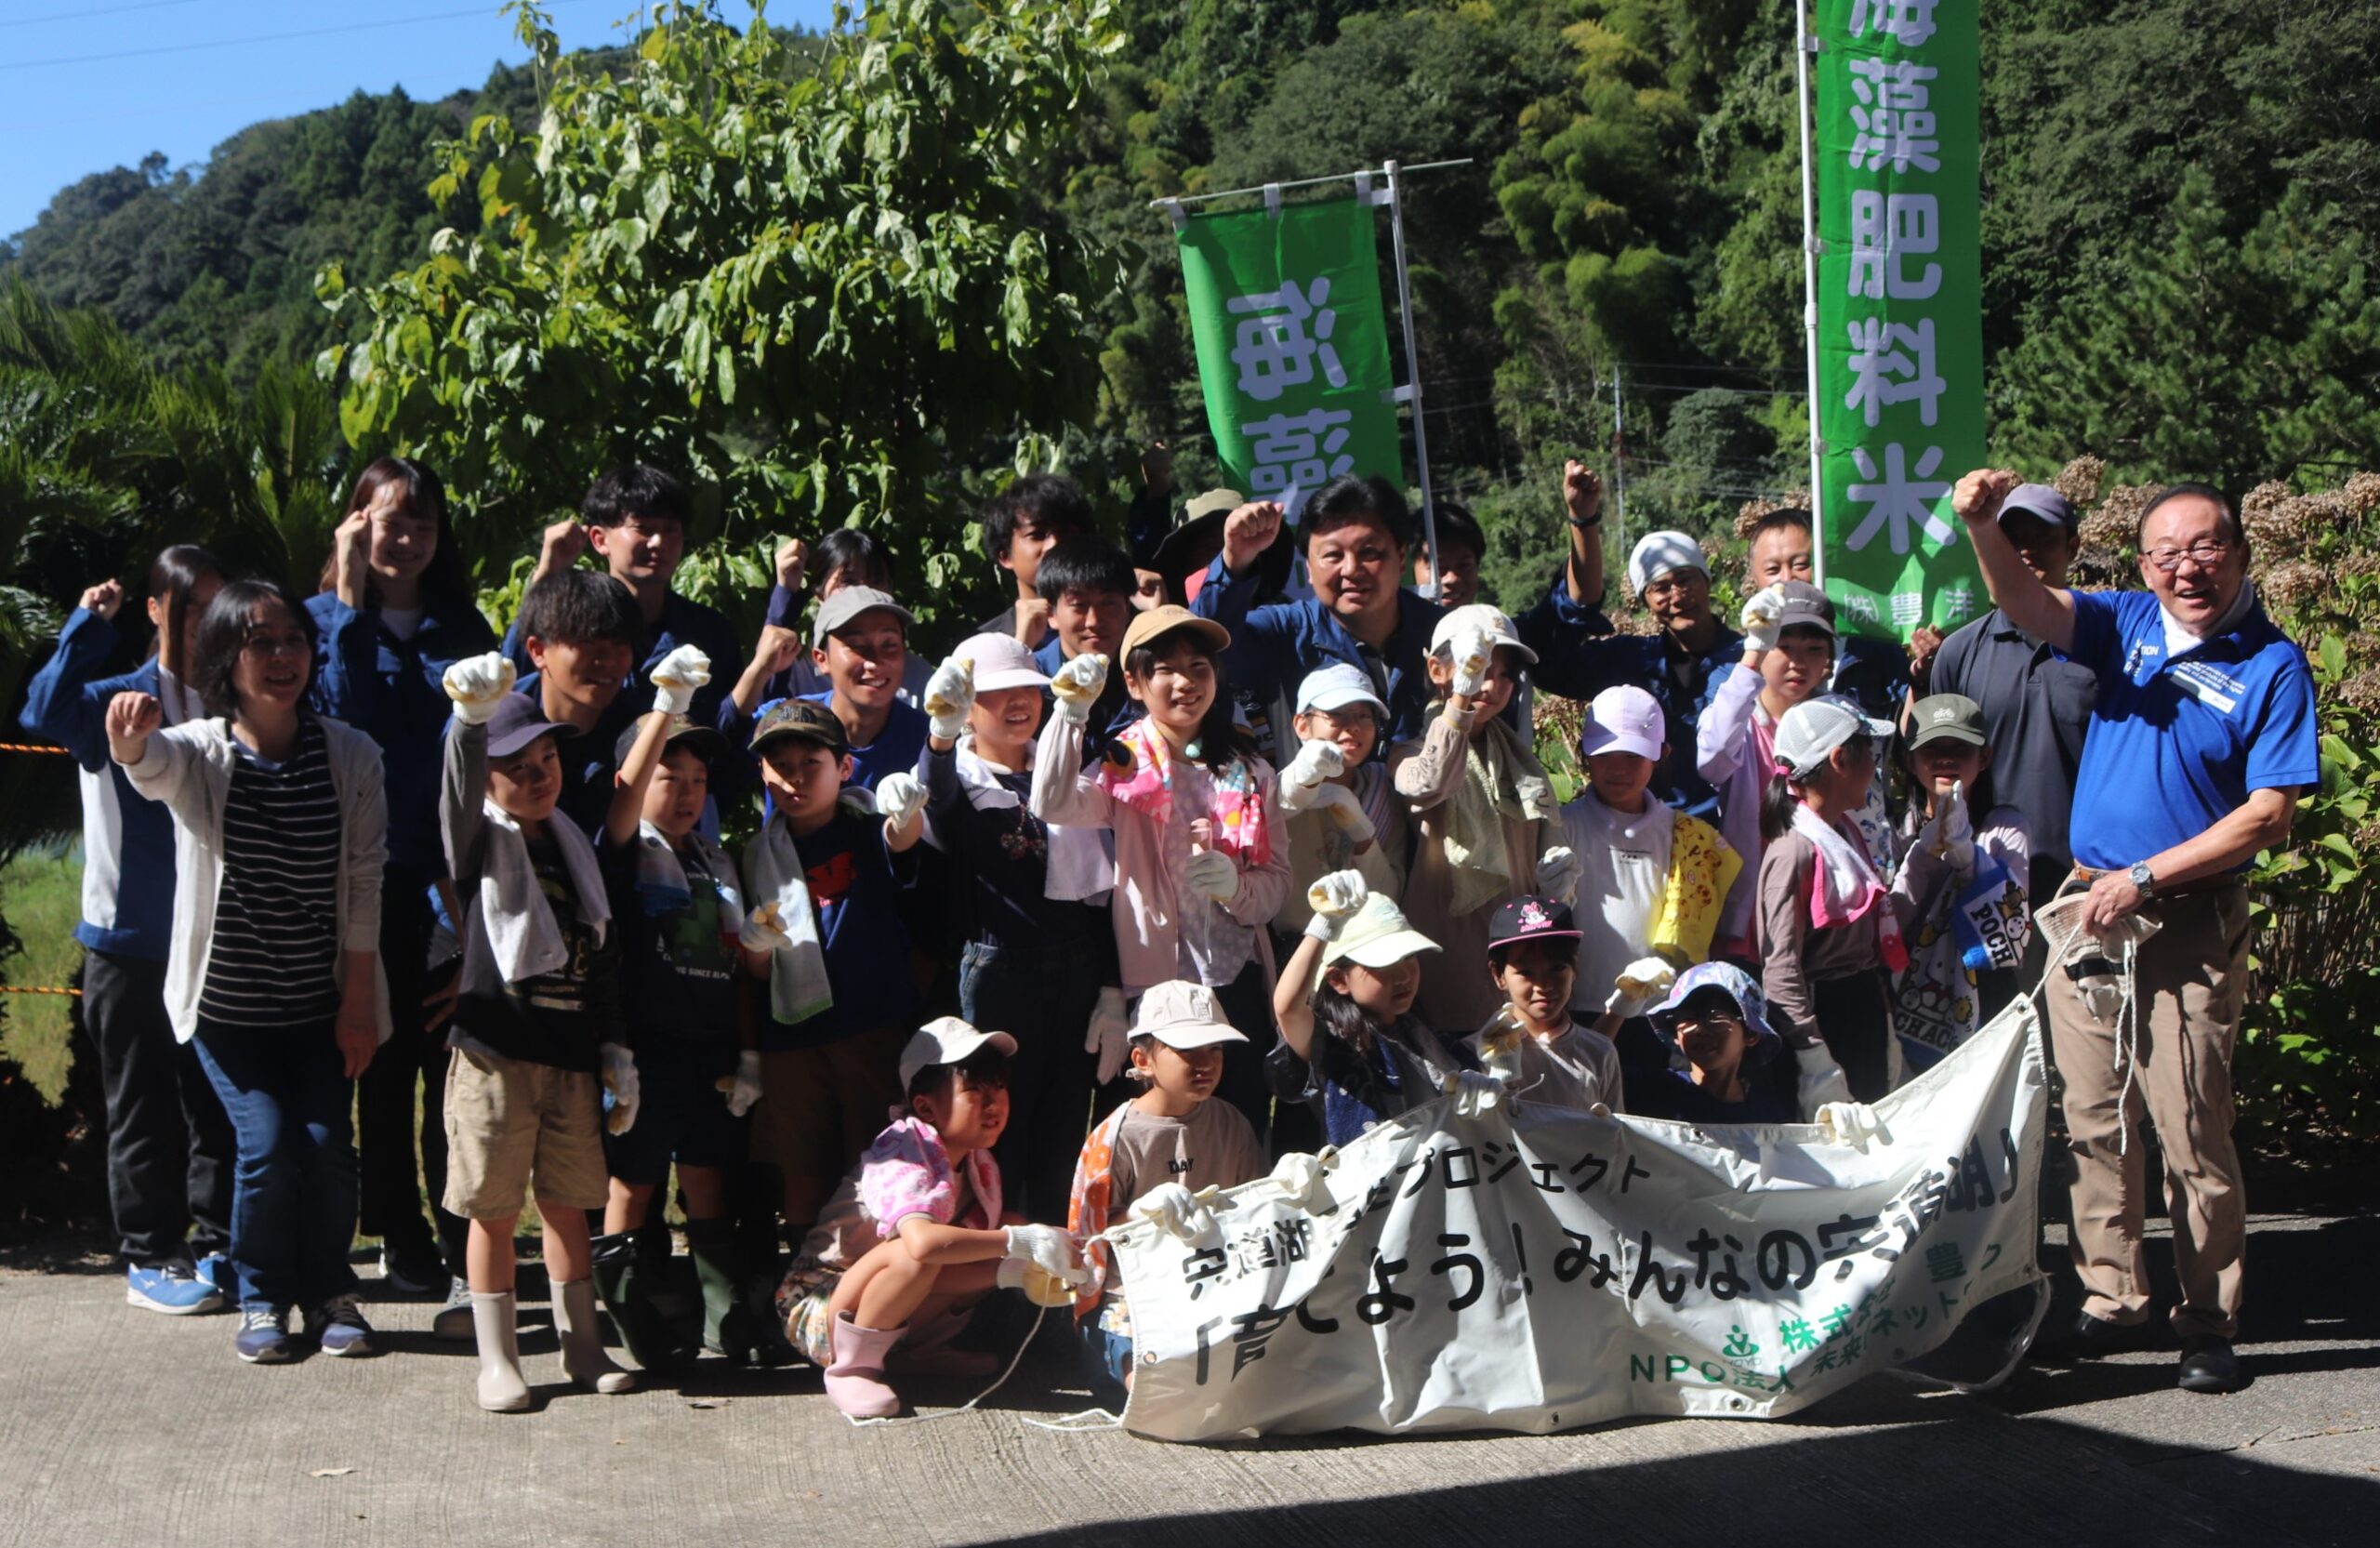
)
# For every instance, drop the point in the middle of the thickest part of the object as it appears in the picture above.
(1210, 873)
(899, 798)
(765, 929)
(1047, 1249)
(1334, 900)
(1821, 1082)
(1499, 1043)
(1761, 616)
(1345, 809)
(1473, 651)
(1177, 1211)
(1949, 834)
(1110, 1035)
(950, 694)
(1557, 873)
(1314, 766)
(1851, 1123)
(1075, 686)
(478, 685)
(1040, 1287)
(1303, 1179)
(675, 678)
(620, 1079)
(743, 1088)
(1639, 985)
(1473, 1094)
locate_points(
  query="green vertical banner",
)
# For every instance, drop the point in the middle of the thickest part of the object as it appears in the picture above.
(1293, 346)
(1899, 307)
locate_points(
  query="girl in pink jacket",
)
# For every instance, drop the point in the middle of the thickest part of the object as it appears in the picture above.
(1201, 858)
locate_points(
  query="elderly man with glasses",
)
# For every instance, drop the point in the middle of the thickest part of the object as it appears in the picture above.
(2203, 737)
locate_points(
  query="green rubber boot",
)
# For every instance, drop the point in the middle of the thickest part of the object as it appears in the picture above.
(727, 1321)
(625, 1283)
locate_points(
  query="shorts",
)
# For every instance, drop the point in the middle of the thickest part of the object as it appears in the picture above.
(805, 1300)
(821, 1108)
(682, 1114)
(509, 1121)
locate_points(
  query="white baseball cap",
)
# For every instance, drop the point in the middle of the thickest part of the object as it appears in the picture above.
(1001, 661)
(1624, 719)
(1479, 616)
(1659, 553)
(1813, 729)
(1337, 686)
(1183, 1015)
(1376, 935)
(947, 1040)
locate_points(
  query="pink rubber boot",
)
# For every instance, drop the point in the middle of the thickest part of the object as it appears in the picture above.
(855, 1381)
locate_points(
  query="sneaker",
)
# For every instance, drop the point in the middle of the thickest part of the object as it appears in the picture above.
(171, 1290)
(338, 1326)
(216, 1269)
(453, 1322)
(2208, 1365)
(263, 1338)
(412, 1271)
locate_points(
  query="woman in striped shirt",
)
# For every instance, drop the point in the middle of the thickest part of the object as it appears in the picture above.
(275, 968)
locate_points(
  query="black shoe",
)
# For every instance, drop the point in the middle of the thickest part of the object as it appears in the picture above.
(2090, 1338)
(2208, 1365)
(408, 1268)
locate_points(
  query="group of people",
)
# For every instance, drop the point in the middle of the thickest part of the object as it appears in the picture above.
(1162, 880)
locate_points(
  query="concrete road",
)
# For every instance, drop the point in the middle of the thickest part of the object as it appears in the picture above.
(122, 1428)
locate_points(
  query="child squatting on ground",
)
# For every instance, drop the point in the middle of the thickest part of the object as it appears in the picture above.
(538, 1015)
(1153, 1155)
(914, 1238)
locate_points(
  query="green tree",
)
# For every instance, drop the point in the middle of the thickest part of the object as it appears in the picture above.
(2236, 351)
(815, 289)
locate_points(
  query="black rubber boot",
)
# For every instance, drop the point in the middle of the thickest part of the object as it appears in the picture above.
(625, 1284)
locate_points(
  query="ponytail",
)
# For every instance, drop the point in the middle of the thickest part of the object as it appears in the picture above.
(172, 577)
(1777, 798)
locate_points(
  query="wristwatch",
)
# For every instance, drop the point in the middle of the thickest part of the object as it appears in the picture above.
(2140, 878)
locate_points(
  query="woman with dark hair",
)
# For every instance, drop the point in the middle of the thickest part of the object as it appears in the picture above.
(275, 968)
(394, 612)
(169, 1145)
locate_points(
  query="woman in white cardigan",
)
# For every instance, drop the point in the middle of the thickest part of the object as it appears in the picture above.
(274, 966)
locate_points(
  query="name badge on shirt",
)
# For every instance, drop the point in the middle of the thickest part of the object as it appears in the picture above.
(2218, 691)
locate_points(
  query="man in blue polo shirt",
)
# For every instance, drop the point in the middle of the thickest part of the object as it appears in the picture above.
(2203, 737)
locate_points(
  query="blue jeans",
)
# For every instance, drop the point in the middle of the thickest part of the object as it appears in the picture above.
(293, 1184)
(1043, 999)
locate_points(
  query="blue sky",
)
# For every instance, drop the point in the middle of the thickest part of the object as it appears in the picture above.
(185, 75)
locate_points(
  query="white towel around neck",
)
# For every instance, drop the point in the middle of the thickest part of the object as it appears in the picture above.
(520, 922)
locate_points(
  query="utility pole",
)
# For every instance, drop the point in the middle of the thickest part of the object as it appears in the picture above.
(1619, 463)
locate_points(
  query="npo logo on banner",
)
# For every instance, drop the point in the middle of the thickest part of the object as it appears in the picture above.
(1535, 1269)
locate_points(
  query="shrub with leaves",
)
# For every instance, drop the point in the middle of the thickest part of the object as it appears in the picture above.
(804, 271)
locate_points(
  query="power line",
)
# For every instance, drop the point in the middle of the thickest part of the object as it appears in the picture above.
(84, 15)
(263, 37)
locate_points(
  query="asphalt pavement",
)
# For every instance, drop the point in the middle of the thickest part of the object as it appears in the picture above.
(121, 1427)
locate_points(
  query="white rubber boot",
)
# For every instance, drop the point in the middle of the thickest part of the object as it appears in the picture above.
(581, 1332)
(494, 1318)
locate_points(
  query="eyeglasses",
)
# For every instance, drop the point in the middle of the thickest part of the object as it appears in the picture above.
(2206, 554)
(1696, 1021)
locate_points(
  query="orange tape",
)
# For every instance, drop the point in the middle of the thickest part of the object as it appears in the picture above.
(28, 747)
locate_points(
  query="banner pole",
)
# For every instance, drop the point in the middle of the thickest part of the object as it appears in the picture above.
(1805, 44)
(1412, 391)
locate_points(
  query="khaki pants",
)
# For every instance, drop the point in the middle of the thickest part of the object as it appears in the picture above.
(2191, 985)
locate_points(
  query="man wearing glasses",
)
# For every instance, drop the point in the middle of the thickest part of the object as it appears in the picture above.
(2203, 737)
